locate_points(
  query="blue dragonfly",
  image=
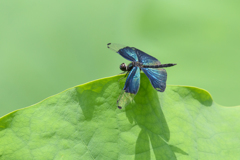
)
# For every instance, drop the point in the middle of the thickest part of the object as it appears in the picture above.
(139, 61)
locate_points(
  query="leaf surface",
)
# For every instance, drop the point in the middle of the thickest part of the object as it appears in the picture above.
(84, 122)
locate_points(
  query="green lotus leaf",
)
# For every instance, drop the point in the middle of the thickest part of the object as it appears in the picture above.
(84, 122)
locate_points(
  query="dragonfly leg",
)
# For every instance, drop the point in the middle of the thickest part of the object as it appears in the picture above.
(122, 72)
(124, 76)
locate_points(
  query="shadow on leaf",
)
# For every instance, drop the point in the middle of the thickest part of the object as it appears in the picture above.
(146, 112)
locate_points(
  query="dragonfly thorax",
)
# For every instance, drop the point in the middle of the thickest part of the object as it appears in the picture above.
(137, 64)
(129, 67)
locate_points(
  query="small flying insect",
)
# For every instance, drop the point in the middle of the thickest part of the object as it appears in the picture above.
(139, 61)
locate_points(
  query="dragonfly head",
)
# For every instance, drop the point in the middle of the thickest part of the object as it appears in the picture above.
(123, 67)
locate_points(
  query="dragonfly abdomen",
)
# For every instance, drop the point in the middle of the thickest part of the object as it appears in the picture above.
(159, 65)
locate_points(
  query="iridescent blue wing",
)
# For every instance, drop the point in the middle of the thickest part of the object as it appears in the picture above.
(131, 87)
(133, 81)
(146, 59)
(157, 77)
(127, 52)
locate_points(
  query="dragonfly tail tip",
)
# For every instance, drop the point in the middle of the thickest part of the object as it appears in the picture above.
(108, 45)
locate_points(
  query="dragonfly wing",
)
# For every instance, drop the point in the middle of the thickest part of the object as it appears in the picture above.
(124, 99)
(133, 81)
(157, 77)
(130, 89)
(128, 53)
(146, 59)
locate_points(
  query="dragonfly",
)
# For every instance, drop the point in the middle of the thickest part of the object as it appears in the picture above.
(139, 61)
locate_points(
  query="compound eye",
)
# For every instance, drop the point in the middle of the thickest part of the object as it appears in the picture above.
(123, 67)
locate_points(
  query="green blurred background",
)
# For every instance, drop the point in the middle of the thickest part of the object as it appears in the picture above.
(48, 46)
